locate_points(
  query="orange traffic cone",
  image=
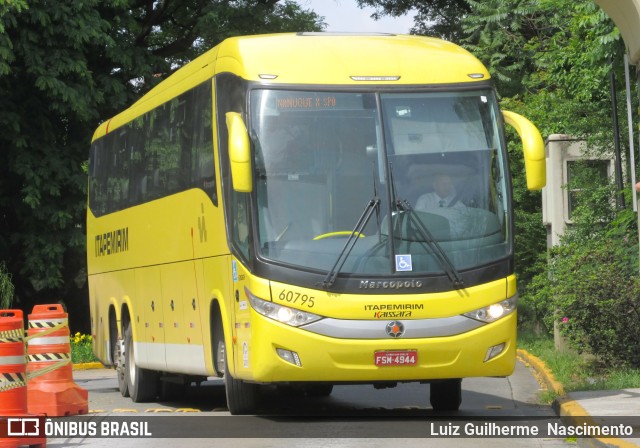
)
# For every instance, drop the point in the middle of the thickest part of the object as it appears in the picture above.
(50, 388)
(17, 427)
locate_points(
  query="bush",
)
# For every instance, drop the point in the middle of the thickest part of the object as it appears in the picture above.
(536, 304)
(592, 287)
(596, 290)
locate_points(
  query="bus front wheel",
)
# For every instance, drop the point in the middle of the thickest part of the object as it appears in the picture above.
(446, 395)
(141, 383)
(242, 397)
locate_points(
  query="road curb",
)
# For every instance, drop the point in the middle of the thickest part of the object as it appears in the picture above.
(88, 366)
(541, 368)
(569, 409)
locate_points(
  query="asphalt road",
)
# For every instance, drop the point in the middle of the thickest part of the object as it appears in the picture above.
(354, 416)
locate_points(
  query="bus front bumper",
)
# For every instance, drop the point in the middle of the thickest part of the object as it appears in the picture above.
(330, 359)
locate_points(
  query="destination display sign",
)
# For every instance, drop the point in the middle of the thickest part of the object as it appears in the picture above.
(311, 101)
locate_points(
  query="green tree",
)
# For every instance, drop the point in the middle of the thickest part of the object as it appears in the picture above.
(437, 18)
(6, 48)
(553, 52)
(64, 67)
(498, 32)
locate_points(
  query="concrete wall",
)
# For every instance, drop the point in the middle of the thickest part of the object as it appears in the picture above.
(561, 149)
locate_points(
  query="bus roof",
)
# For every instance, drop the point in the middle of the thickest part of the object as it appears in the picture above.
(318, 59)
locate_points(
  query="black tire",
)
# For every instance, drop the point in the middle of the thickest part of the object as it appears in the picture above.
(242, 397)
(142, 383)
(446, 395)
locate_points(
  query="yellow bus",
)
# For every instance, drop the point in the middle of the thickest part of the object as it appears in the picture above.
(305, 210)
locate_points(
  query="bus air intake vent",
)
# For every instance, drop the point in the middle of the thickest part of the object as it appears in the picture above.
(375, 78)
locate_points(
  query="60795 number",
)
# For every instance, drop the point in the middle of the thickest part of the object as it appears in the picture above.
(296, 297)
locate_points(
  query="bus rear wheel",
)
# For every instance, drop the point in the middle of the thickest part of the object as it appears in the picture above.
(446, 395)
(141, 383)
(119, 361)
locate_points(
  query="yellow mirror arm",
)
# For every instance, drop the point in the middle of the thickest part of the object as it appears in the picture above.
(533, 149)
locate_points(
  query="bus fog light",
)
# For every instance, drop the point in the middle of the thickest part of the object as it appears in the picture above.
(494, 351)
(289, 356)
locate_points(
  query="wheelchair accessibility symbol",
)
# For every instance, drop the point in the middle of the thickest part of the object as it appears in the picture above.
(403, 263)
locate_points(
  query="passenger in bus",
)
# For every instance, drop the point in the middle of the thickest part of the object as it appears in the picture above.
(444, 195)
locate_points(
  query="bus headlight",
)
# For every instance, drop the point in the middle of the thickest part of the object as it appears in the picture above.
(284, 314)
(494, 312)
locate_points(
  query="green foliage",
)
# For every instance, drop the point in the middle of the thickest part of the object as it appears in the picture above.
(550, 60)
(592, 288)
(6, 47)
(596, 293)
(438, 18)
(551, 54)
(498, 32)
(82, 348)
(599, 302)
(6, 288)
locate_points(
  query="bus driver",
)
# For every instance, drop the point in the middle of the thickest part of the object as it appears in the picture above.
(444, 195)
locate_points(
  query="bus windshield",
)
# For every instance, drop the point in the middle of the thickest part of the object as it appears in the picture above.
(430, 160)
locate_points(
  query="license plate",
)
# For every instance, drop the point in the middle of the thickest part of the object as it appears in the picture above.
(395, 358)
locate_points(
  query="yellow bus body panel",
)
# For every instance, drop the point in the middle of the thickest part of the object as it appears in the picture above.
(166, 270)
(317, 60)
(152, 237)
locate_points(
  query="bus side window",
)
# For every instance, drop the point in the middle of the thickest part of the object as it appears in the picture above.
(202, 160)
(230, 98)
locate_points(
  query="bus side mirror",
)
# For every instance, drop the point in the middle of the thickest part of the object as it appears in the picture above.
(533, 148)
(239, 153)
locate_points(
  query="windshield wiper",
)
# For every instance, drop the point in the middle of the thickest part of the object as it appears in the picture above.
(372, 205)
(436, 249)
